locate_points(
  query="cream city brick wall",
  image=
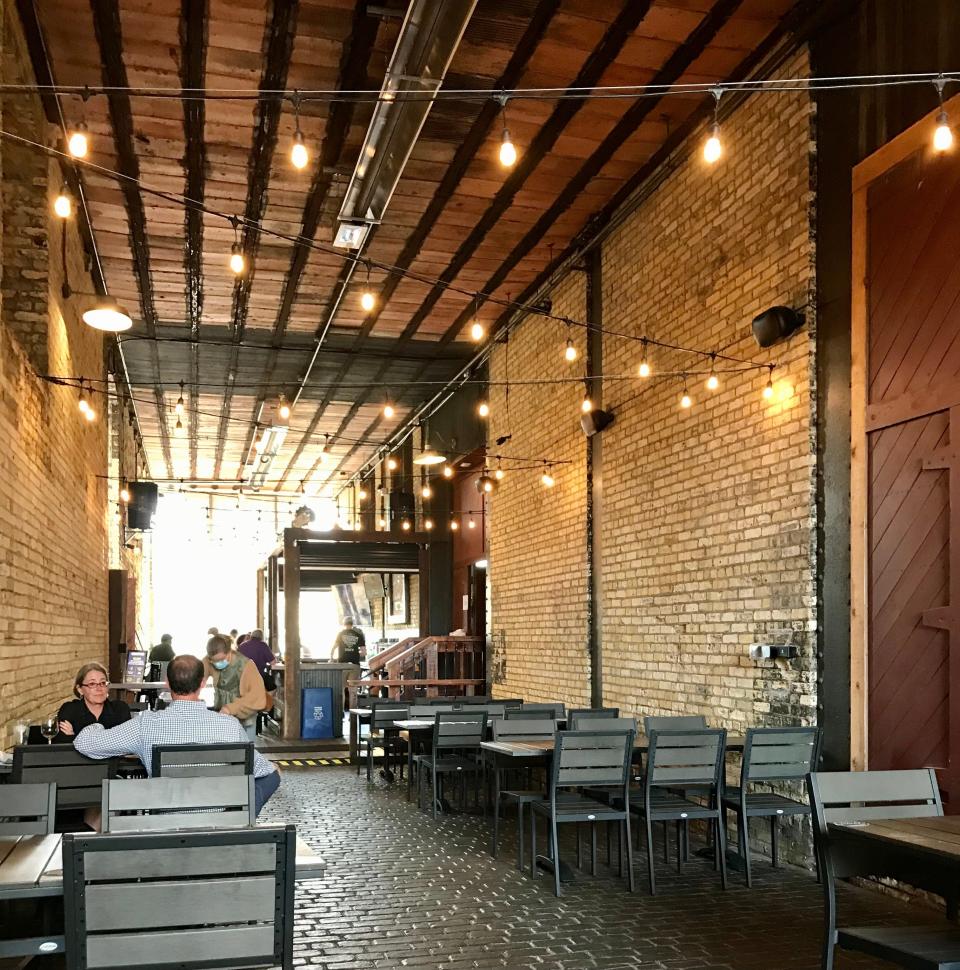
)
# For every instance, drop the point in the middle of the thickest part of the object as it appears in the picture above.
(53, 522)
(707, 519)
(537, 536)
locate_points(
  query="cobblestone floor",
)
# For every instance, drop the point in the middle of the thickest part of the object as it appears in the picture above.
(404, 891)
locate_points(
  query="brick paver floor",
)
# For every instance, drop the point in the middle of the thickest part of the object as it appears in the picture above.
(404, 891)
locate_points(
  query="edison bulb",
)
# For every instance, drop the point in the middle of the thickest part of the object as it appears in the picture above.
(428, 524)
(586, 406)
(943, 136)
(447, 471)
(644, 369)
(483, 409)
(237, 262)
(471, 524)
(426, 491)
(367, 301)
(712, 382)
(382, 523)
(498, 474)
(768, 391)
(476, 331)
(78, 144)
(571, 352)
(84, 405)
(284, 409)
(362, 494)
(299, 156)
(405, 525)
(685, 401)
(548, 480)
(179, 407)
(388, 411)
(392, 464)
(508, 151)
(712, 149)
(124, 495)
(454, 525)
(90, 414)
(62, 206)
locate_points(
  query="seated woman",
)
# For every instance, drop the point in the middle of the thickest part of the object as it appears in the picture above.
(93, 704)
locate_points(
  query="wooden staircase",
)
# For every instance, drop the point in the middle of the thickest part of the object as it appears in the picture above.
(431, 667)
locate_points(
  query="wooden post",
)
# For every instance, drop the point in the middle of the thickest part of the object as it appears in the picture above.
(291, 638)
(260, 574)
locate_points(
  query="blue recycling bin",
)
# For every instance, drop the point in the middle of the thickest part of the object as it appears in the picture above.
(316, 712)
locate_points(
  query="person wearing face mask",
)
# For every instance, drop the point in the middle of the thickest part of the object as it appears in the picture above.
(237, 684)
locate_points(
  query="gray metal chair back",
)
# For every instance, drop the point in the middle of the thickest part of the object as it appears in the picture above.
(173, 900)
(779, 754)
(426, 711)
(201, 760)
(524, 713)
(152, 804)
(680, 759)
(673, 722)
(525, 729)
(510, 703)
(866, 796)
(28, 809)
(580, 715)
(606, 724)
(458, 730)
(476, 699)
(78, 779)
(557, 707)
(591, 759)
(492, 710)
(386, 712)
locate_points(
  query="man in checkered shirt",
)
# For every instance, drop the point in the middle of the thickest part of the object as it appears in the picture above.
(186, 720)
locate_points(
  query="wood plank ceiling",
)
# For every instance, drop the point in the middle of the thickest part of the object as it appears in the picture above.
(456, 214)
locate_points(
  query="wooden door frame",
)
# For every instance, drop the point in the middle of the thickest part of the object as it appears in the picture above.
(916, 138)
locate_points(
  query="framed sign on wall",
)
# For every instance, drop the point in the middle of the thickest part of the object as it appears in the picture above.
(399, 600)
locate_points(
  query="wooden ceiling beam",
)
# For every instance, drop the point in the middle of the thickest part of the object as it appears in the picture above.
(109, 33)
(278, 48)
(193, 62)
(453, 175)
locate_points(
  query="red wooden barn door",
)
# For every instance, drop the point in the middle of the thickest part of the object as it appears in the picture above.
(913, 440)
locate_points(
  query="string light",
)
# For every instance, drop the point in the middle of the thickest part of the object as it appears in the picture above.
(78, 144)
(685, 401)
(570, 353)
(362, 494)
(498, 474)
(283, 408)
(483, 409)
(547, 478)
(381, 522)
(405, 525)
(392, 464)
(470, 523)
(237, 263)
(367, 299)
(587, 405)
(178, 428)
(713, 382)
(477, 331)
(83, 404)
(447, 471)
(180, 407)
(124, 494)
(712, 149)
(299, 156)
(644, 369)
(62, 206)
(428, 524)
(426, 491)
(768, 389)
(508, 151)
(943, 134)
(486, 484)
(454, 525)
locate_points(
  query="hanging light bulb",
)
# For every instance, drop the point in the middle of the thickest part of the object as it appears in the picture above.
(426, 491)
(943, 134)
(381, 522)
(499, 473)
(447, 471)
(367, 299)
(180, 406)
(362, 494)
(388, 411)
(405, 525)
(483, 409)
(712, 149)
(685, 400)
(547, 478)
(299, 156)
(237, 263)
(768, 389)
(570, 353)
(454, 525)
(392, 464)
(283, 409)
(470, 523)
(78, 143)
(477, 331)
(428, 524)
(90, 414)
(644, 369)
(586, 405)
(178, 428)
(713, 381)
(83, 404)
(62, 206)
(508, 151)
(124, 494)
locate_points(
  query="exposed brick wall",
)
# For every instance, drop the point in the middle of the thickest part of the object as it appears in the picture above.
(707, 527)
(53, 502)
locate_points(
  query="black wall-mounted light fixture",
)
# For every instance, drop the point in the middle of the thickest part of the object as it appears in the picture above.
(776, 324)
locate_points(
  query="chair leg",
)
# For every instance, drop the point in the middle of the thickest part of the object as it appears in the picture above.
(743, 830)
(533, 844)
(666, 843)
(653, 885)
(608, 827)
(631, 885)
(775, 840)
(556, 854)
(496, 821)
(686, 841)
(520, 823)
(679, 843)
(593, 849)
(409, 768)
(722, 848)
(435, 792)
(577, 828)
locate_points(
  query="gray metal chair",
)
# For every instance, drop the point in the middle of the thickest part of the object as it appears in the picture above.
(454, 750)
(558, 707)
(530, 714)
(523, 730)
(676, 762)
(383, 735)
(201, 760)
(174, 900)
(770, 755)
(78, 779)
(153, 804)
(28, 809)
(866, 796)
(584, 759)
(581, 714)
(673, 722)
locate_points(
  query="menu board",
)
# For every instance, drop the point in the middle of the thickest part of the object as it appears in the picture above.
(135, 666)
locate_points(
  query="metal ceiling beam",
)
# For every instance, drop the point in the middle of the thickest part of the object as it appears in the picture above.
(109, 33)
(278, 48)
(193, 62)
(465, 154)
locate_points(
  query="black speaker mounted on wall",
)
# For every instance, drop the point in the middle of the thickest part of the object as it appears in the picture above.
(142, 505)
(776, 324)
(593, 422)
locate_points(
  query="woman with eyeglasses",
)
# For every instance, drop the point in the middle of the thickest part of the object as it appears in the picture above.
(92, 706)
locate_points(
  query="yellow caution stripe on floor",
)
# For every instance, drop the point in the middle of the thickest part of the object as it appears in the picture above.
(312, 762)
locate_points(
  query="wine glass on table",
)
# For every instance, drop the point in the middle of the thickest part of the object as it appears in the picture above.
(50, 728)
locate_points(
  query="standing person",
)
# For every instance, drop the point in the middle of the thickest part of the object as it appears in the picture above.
(185, 720)
(255, 649)
(350, 647)
(93, 704)
(237, 684)
(163, 651)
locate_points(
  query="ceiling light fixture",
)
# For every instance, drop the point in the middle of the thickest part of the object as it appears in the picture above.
(107, 315)
(78, 142)
(237, 262)
(299, 156)
(367, 299)
(508, 151)
(943, 134)
(712, 148)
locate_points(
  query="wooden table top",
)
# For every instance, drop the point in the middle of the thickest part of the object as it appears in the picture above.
(938, 837)
(32, 865)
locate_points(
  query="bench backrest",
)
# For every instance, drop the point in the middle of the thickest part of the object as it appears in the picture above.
(157, 804)
(202, 760)
(28, 809)
(78, 779)
(865, 796)
(205, 898)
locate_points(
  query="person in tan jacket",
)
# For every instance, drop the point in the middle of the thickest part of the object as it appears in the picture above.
(237, 684)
